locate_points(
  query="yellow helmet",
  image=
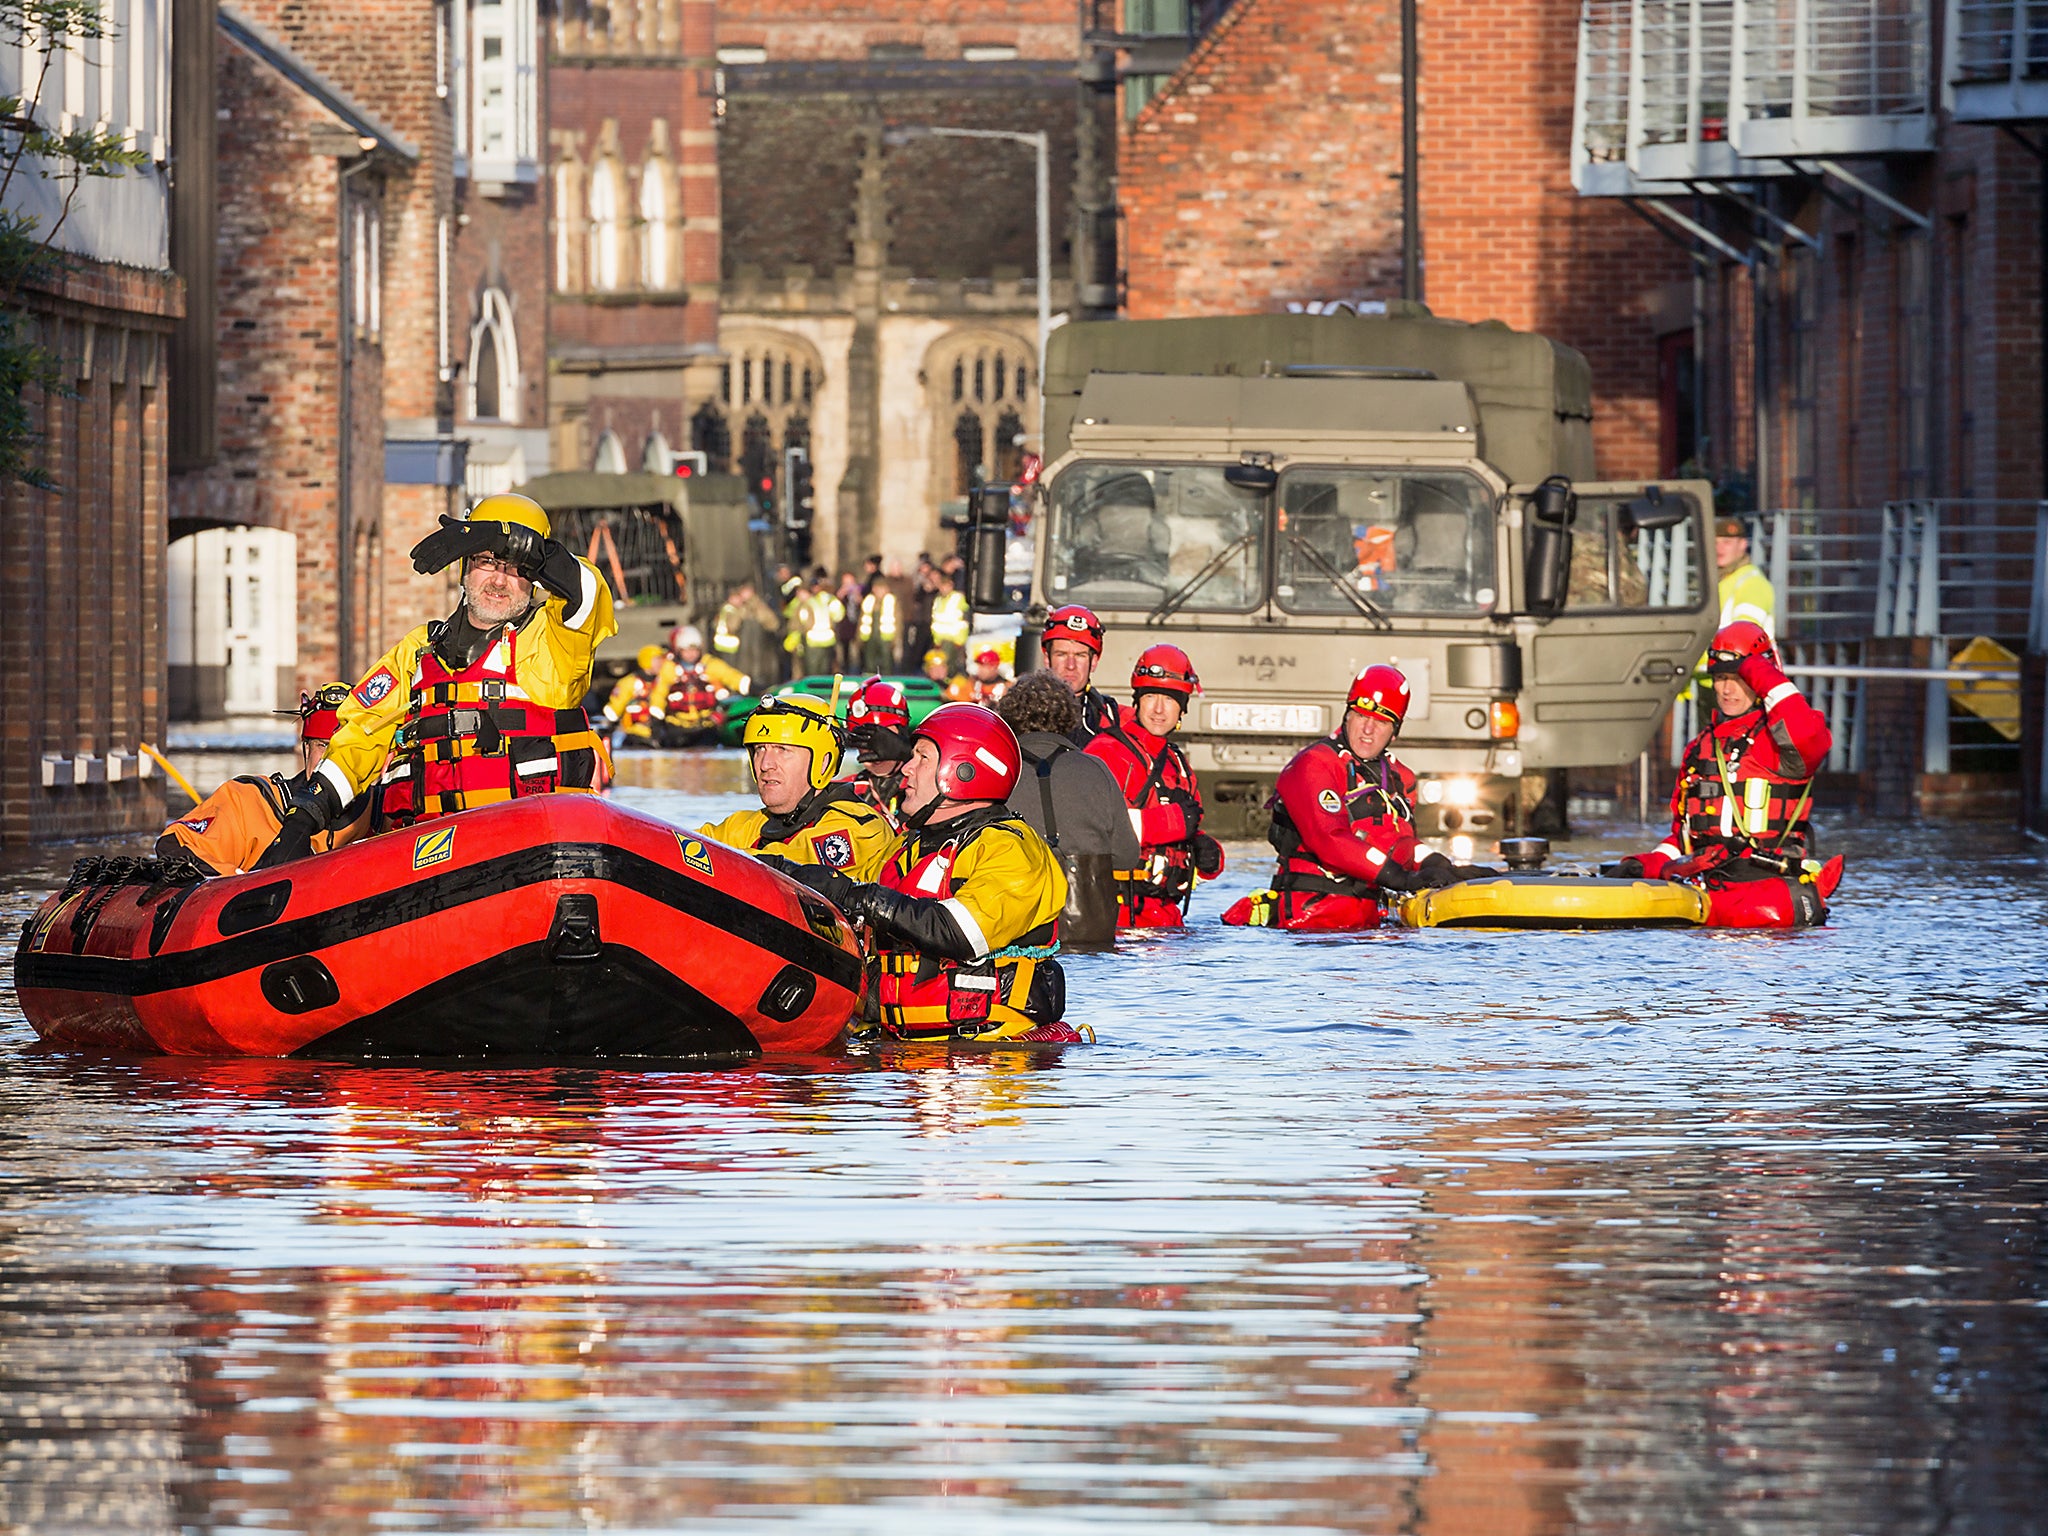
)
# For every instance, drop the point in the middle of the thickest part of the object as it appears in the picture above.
(509, 507)
(649, 657)
(798, 720)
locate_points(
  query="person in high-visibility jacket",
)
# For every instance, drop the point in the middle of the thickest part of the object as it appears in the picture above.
(1746, 593)
(878, 627)
(234, 829)
(487, 704)
(1739, 809)
(794, 746)
(950, 622)
(821, 626)
(965, 917)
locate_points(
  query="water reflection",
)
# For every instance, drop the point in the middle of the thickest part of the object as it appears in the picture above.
(1430, 1233)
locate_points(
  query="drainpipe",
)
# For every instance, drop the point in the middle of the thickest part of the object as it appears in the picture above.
(1411, 158)
(344, 500)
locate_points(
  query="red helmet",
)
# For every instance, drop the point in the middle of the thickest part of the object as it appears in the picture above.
(1073, 622)
(978, 754)
(1165, 669)
(1379, 690)
(879, 702)
(1735, 643)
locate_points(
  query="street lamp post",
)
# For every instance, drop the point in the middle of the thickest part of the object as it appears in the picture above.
(1039, 144)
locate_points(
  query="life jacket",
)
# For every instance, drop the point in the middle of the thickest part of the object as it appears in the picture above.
(924, 997)
(691, 703)
(1098, 713)
(471, 737)
(1373, 799)
(1168, 872)
(1730, 800)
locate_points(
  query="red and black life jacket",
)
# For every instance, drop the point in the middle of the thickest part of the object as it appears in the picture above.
(1730, 798)
(471, 737)
(925, 997)
(1374, 799)
(1168, 873)
(692, 704)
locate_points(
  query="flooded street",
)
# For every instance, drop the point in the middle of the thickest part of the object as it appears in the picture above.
(1435, 1233)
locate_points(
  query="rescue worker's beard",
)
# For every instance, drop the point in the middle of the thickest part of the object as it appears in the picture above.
(488, 613)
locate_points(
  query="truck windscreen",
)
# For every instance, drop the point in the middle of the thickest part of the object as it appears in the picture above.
(1128, 535)
(1409, 542)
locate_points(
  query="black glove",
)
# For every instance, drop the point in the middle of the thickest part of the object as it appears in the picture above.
(1401, 882)
(1477, 872)
(1190, 806)
(1630, 868)
(828, 883)
(1435, 872)
(542, 561)
(453, 541)
(921, 922)
(1208, 856)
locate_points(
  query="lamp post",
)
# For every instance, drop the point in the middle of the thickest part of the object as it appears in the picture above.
(1039, 144)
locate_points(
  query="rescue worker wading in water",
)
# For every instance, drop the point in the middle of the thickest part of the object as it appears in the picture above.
(965, 918)
(234, 829)
(486, 705)
(1072, 646)
(878, 727)
(793, 746)
(1344, 823)
(1159, 786)
(1739, 811)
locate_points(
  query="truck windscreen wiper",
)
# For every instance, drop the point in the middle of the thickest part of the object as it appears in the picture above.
(1352, 595)
(1168, 606)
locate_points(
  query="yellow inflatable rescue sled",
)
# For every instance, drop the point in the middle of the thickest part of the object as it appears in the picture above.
(1531, 900)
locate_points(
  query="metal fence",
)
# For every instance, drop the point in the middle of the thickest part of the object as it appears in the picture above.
(1946, 570)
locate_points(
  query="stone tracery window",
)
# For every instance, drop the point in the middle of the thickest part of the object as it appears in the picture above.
(494, 361)
(607, 233)
(656, 269)
(769, 380)
(979, 383)
(711, 436)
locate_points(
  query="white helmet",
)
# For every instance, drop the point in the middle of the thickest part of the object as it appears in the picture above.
(684, 636)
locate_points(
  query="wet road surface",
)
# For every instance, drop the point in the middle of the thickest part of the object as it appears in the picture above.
(1442, 1232)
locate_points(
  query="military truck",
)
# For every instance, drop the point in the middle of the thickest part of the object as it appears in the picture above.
(670, 548)
(1291, 497)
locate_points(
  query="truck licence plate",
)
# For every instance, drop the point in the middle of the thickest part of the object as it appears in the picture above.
(1282, 719)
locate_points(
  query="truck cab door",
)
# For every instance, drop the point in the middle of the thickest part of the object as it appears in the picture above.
(1638, 610)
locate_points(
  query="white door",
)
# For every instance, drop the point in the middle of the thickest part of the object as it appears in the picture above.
(252, 671)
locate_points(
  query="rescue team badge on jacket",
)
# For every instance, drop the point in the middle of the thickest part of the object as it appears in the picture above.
(834, 849)
(1330, 801)
(372, 689)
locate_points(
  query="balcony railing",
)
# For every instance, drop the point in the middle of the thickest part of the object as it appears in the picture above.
(1998, 52)
(1831, 77)
(1673, 93)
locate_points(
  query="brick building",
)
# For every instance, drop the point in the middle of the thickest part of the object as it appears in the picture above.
(1266, 171)
(377, 338)
(634, 230)
(81, 559)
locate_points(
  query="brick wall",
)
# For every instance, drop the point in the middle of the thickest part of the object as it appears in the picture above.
(850, 29)
(81, 564)
(790, 150)
(1269, 172)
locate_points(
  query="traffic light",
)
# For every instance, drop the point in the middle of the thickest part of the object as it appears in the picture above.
(798, 499)
(690, 464)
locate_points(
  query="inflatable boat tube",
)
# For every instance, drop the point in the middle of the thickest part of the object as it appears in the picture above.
(556, 927)
(1517, 900)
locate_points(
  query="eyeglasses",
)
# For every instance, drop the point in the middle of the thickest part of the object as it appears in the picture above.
(493, 563)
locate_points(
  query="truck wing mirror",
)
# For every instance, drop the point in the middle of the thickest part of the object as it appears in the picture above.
(1553, 506)
(1652, 510)
(1259, 479)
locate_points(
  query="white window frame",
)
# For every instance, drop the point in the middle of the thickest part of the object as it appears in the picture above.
(514, 25)
(494, 329)
(607, 225)
(656, 275)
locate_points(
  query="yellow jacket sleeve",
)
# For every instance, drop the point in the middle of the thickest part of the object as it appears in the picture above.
(852, 839)
(1005, 884)
(556, 648)
(370, 718)
(723, 675)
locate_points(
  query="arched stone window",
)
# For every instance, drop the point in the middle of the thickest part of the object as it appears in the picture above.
(770, 379)
(607, 228)
(610, 458)
(657, 269)
(979, 385)
(494, 361)
(712, 437)
(571, 227)
(654, 454)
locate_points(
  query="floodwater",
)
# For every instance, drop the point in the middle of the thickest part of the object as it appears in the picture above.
(1434, 1233)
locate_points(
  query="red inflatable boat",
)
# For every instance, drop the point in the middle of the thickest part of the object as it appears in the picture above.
(560, 926)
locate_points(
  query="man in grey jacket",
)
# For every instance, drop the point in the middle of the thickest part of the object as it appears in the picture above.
(1073, 802)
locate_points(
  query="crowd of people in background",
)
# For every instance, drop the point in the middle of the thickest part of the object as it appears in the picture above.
(879, 621)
